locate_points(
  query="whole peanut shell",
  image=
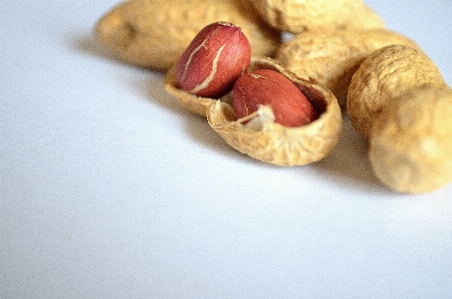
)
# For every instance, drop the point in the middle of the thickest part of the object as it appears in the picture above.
(297, 16)
(387, 74)
(411, 144)
(154, 33)
(332, 56)
(260, 137)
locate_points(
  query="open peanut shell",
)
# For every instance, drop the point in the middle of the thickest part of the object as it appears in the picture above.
(261, 138)
(195, 104)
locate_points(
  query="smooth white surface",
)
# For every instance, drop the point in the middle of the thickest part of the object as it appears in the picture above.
(110, 189)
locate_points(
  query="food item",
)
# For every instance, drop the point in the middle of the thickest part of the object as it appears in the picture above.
(268, 87)
(297, 16)
(218, 54)
(193, 103)
(399, 101)
(396, 98)
(387, 74)
(154, 34)
(266, 140)
(411, 141)
(333, 56)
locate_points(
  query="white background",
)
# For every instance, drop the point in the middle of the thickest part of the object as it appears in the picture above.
(110, 189)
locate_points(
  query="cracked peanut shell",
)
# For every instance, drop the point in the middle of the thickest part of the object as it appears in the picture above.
(155, 33)
(193, 103)
(263, 139)
(331, 57)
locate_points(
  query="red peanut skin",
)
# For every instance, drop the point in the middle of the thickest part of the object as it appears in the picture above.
(218, 54)
(267, 87)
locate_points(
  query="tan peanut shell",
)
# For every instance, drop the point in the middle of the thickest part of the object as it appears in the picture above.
(385, 75)
(193, 103)
(263, 139)
(297, 16)
(331, 57)
(154, 33)
(411, 143)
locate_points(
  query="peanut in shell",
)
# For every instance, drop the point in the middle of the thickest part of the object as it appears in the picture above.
(331, 57)
(191, 102)
(386, 75)
(411, 143)
(297, 16)
(261, 138)
(155, 33)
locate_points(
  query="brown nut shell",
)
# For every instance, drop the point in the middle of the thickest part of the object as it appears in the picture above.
(154, 34)
(333, 56)
(297, 16)
(385, 75)
(193, 103)
(263, 139)
(411, 143)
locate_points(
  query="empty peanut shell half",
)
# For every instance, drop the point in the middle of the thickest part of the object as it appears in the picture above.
(261, 138)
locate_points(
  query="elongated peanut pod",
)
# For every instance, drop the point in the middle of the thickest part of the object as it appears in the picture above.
(387, 74)
(411, 143)
(302, 15)
(154, 34)
(332, 56)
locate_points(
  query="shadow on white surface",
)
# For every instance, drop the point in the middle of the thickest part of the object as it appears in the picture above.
(87, 44)
(347, 165)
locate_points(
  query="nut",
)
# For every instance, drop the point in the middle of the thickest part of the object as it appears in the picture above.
(410, 147)
(268, 141)
(333, 56)
(385, 75)
(297, 16)
(399, 101)
(193, 103)
(289, 105)
(154, 34)
(218, 54)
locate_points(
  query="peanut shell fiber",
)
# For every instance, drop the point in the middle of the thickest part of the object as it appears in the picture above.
(193, 103)
(297, 16)
(154, 33)
(410, 148)
(387, 74)
(331, 57)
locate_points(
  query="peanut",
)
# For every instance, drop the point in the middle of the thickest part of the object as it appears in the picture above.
(193, 103)
(297, 16)
(218, 54)
(332, 56)
(411, 141)
(268, 87)
(399, 101)
(385, 75)
(154, 34)
(260, 137)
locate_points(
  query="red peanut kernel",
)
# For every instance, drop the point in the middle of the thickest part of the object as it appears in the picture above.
(267, 87)
(218, 54)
